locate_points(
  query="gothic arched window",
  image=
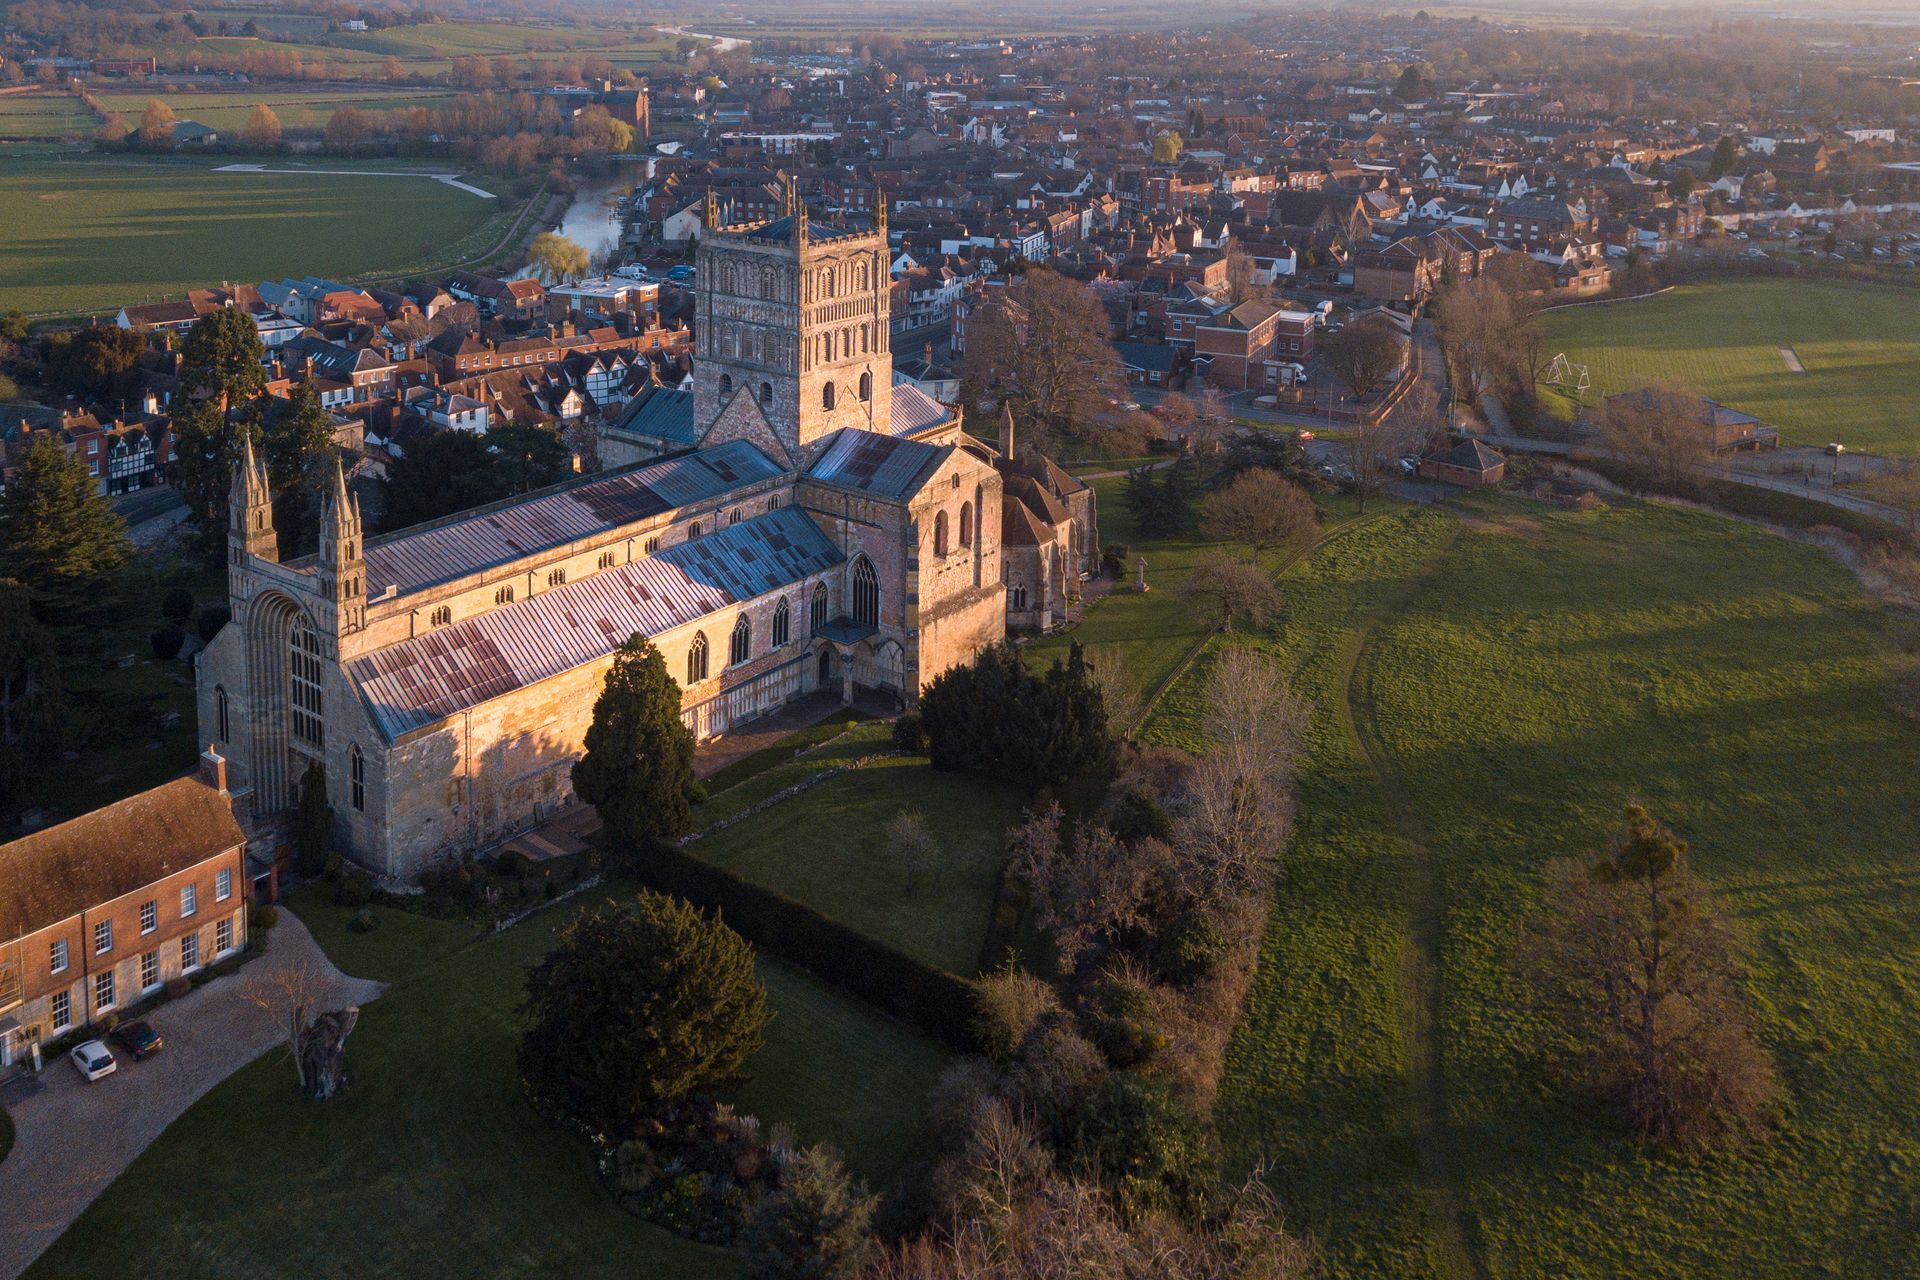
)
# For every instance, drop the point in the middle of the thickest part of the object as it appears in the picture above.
(782, 623)
(819, 618)
(766, 394)
(697, 658)
(305, 678)
(866, 385)
(726, 384)
(740, 648)
(357, 777)
(220, 703)
(940, 534)
(966, 524)
(866, 594)
(826, 396)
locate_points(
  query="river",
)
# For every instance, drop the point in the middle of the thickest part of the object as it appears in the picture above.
(592, 220)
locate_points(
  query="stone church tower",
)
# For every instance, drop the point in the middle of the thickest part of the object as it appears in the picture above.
(793, 317)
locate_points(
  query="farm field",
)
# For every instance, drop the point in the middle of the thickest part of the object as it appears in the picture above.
(78, 236)
(434, 1152)
(1491, 687)
(46, 115)
(297, 109)
(1859, 343)
(826, 847)
(460, 39)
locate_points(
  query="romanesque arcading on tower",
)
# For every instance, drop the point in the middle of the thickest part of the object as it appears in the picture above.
(343, 566)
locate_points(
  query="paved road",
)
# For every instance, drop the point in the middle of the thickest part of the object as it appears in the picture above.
(74, 1138)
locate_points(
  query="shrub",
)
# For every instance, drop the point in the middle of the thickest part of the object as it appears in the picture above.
(177, 987)
(641, 1004)
(1113, 559)
(167, 642)
(513, 863)
(261, 918)
(331, 869)
(1011, 1005)
(177, 606)
(354, 888)
(362, 921)
(1148, 1153)
(1119, 1019)
(698, 793)
(212, 618)
(910, 734)
(814, 1227)
(1191, 946)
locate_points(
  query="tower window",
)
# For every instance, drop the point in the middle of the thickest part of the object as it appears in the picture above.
(966, 524)
(503, 596)
(697, 659)
(726, 384)
(940, 534)
(866, 385)
(220, 705)
(441, 616)
(826, 396)
(357, 775)
(766, 394)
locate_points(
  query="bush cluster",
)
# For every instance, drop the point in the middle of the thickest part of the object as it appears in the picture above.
(994, 716)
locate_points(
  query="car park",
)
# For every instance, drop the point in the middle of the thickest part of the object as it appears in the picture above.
(92, 1059)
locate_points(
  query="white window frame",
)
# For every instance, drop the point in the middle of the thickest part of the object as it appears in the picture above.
(189, 942)
(149, 916)
(61, 1009)
(103, 983)
(189, 900)
(223, 884)
(149, 970)
(57, 956)
(102, 937)
(220, 947)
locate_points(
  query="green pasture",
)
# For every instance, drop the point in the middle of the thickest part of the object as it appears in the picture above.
(46, 115)
(298, 109)
(1858, 343)
(79, 236)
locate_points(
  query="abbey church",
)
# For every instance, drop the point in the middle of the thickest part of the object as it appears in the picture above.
(794, 522)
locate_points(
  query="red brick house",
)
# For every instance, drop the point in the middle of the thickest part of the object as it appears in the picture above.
(1469, 464)
(1245, 345)
(101, 911)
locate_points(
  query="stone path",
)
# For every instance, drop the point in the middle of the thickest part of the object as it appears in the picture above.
(73, 1138)
(448, 179)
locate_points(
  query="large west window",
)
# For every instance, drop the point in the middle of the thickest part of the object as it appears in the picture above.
(304, 670)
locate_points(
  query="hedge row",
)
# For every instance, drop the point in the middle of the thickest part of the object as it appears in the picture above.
(1756, 503)
(937, 1002)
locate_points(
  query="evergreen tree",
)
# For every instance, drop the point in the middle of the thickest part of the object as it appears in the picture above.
(298, 434)
(32, 710)
(996, 717)
(222, 356)
(814, 1227)
(1724, 157)
(312, 823)
(57, 534)
(221, 379)
(638, 765)
(640, 1005)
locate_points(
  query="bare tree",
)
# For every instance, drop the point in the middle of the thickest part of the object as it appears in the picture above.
(291, 995)
(1660, 432)
(1212, 420)
(1231, 585)
(1239, 813)
(1085, 885)
(1631, 957)
(1119, 690)
(1041, 347)
(1259, 510)
(1241, 286)
(1475, 323)
(1365, 356)
(910, 844)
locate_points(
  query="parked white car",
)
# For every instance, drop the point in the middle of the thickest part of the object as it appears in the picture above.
(92, 1059)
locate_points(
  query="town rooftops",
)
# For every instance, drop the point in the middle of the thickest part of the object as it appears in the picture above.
(498, 534)
(55, 874)
(424, 680)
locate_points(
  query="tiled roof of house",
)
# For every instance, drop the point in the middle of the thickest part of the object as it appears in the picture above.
(57, 873)
(422, 681)
(452, 548)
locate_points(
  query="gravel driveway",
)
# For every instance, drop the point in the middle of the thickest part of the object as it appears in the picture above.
(74, 1138)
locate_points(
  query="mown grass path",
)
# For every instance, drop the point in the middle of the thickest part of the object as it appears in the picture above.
(1422, 964)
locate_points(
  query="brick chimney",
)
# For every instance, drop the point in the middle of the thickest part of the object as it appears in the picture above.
(213, 769)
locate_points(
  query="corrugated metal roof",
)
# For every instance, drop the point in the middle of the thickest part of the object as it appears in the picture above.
(887, 465)
(420, 557)
(665, 413)
(915, 410)
(430, 677)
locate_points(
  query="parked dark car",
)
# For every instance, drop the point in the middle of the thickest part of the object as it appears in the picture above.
(138, 1039)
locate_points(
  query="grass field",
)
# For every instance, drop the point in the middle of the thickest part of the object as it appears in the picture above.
(1859, 343)
(434, 1161)
(94, 236)
(46, 115)
(1489, 692)
(307, 110)
(826, 847)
